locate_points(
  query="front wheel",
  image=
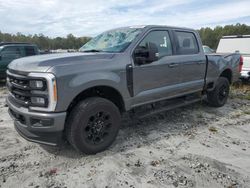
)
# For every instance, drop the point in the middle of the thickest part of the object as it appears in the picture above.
(93, 125)
(218, 97)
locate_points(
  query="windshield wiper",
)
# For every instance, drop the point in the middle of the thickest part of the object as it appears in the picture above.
(92, 50)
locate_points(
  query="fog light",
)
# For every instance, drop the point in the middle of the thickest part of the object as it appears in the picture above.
(41, 122)
(38, 101)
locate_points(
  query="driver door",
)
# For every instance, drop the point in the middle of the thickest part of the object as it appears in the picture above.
(159, 78)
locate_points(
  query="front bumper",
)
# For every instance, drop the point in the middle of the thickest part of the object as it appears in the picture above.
(39, 127)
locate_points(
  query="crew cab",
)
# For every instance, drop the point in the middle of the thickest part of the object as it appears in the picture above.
(81, 96)
(13, 50)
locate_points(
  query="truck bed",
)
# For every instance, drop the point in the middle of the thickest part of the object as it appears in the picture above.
(218, 62)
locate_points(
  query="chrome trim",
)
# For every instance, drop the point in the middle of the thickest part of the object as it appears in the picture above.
(50, 78)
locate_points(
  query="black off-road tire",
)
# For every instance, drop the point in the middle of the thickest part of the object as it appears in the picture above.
(218, 97)
(93, 125)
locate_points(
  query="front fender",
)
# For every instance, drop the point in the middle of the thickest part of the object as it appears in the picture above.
(70, 87)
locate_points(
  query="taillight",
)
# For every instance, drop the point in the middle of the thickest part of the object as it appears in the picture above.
(241, 64)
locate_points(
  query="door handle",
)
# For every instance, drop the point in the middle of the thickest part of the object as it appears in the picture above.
(172, 65)
(200, 62)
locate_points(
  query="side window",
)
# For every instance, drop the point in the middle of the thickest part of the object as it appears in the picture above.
(11, 51)
(29, 50)
(161, 40)
(186, 43)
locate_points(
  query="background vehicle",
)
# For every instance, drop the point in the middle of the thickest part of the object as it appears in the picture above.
(240, 44)
(207, 49)
(144, 69)
(10, 51)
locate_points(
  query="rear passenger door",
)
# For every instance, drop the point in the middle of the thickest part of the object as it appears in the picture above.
(192, 61)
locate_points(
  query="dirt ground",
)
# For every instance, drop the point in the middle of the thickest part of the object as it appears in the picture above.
(195, 146)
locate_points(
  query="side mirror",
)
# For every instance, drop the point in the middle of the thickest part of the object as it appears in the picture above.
(153, 52)
(146, 54)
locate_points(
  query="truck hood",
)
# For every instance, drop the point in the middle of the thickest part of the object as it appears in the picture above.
(42, 63)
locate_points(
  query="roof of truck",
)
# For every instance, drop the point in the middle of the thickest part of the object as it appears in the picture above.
(16, 43)
(174, 27)
(154, 26)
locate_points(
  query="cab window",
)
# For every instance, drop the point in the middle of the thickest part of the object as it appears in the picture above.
(29, 50)
(161, 40)
(186, 43)
(12, 51)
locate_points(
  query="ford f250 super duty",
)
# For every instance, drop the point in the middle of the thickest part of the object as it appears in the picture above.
(145, 69)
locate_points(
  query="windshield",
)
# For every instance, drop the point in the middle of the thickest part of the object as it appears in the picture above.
(112, 41)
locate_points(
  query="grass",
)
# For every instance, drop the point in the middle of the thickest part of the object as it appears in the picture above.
(213, 129)
(246, 112)
(247, 96)
(236, 115)
(199, 115)
(240, 91)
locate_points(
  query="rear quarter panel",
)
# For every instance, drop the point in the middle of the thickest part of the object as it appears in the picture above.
(217, 63)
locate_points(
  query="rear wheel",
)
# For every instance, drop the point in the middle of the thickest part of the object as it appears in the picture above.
(218, 97)
(93, 125)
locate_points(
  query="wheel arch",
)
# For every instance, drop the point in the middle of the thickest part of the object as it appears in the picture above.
(104, 91)
(227, 73)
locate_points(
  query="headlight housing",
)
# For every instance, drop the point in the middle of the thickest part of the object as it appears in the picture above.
(43, 91)
(39, 101)
(37, 84)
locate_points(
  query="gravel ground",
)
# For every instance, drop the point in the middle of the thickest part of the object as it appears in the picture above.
(195, 146)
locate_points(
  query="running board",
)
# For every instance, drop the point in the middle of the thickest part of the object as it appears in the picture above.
(159, 107)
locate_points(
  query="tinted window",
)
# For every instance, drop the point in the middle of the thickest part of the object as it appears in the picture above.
(11, 50)
(162, 41)
(29, 50)
(186, 43)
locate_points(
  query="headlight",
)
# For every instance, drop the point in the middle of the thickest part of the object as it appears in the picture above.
(38, 101)
(44, 90)
(37, 84)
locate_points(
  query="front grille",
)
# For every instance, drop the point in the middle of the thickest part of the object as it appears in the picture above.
(18, 86)
(34, 90)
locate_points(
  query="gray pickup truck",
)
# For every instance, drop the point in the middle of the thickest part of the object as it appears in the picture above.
(81, 96)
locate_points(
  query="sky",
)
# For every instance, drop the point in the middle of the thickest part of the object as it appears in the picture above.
(55, 18)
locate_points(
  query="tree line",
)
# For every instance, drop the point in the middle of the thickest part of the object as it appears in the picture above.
(44, 42)
(209, 36)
